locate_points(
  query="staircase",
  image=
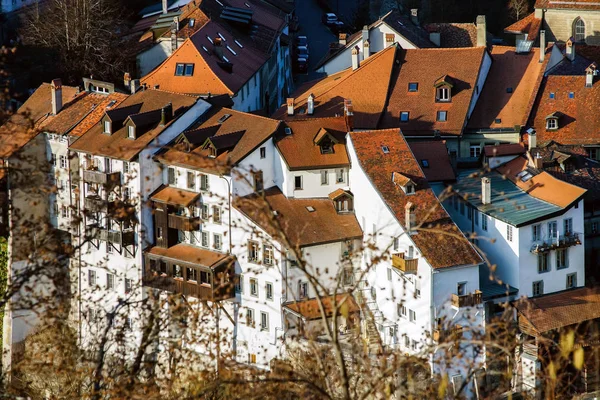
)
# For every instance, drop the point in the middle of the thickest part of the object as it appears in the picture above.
(369, 314)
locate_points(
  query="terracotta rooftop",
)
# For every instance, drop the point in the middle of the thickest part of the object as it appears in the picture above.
(580, 121)
(510, 88)
(434, 160)
(440, 241)
(560, 310)
(174, 196)
(572, 4)
(337, 193)
(367, 87)
(301, 226)
(24, 125)
(453, 35)
(300, 151)
(425, 67)
(508, 149)
(118, 145)
(246, 131)
(192, 255)
(529, 25)
(309, 309)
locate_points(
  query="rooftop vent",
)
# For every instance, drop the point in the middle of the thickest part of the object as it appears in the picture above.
(224, 118)
(524, 176)
(288, 131)
(236, 14)
(310, 208)
(385, 149)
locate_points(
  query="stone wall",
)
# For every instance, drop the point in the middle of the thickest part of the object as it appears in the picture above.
(559, 25)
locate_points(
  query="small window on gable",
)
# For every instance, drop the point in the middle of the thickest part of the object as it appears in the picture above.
(179, 68)
(509, 90)
(404, 116)
(189, 70)
(425, 163)
(107, 126)
(552, 123)
(131, 132)
(413, 87)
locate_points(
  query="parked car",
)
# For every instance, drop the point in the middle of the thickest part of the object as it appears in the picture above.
(302, 41)
(302, 65)
(329, 19)
(302, 52)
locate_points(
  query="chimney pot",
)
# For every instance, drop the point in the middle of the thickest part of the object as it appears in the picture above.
(343, 39)
(542, 45)
(127, 79)
(218, 48)
(355, 59)
(409, 217)
(310, 104)
(570, 50)
(349, 114)
(365, 33)
(531, 138)
(290, 106)
(414, 15)
(165, 6)
(166, 114)
(366, 49)
(486, 190)
(590, 72)
(481, 31)
(56, 89)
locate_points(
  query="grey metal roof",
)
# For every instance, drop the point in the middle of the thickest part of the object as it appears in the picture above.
(492, 289)
(508, 202)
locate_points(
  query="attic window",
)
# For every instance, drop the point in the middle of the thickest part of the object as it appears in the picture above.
(442, 116)
(326, 147)
(224, 118)
(107, 127)
(552, 123)
(425, 163)
(184, 69)
(443, 93)
(552, 95)
(385, 149)
(404, 116)
(192, 22)
(413, 87)
(571, 95)
(288, 131)
(310, 208)
(509, 90)
(498, 121)
(131, 132)
(404, 182)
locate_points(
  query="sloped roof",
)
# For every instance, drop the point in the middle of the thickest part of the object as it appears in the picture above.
(510, 87)
(299, 150)
(309, 308)
(453, 35)
(174, 196)
(434, 160)
(569, 5)
(439, 239)
(298, 224)
(192, 254)
(529, 25)
(506, 149)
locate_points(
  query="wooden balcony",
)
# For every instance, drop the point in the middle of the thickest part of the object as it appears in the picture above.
(454, 332)
(467, 300)
(556, 242)
(183, 223)
(122, 238)
(108, 179)
(200, 291)
(406, 265)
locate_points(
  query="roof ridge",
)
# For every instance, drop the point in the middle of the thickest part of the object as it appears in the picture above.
(250, 114)
(171, 92)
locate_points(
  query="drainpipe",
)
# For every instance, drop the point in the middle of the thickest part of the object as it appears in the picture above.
(229, 200)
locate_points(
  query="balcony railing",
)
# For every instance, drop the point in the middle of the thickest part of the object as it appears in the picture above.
(122, 238)
(556, 242)
(183, 223)
(406, 265)
(102, 178)
(440, 335)
(467, 300)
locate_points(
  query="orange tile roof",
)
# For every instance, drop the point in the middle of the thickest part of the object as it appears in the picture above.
(517, 73)
(425, 67)
(439, 240)
(256, 130)
(367, 87)
(454, 35)
(507, 149)
(560, 310)
(339, 192)
(174, 196)
(435, 155)
(299, 226)
(309, 309)
(25, 123)
(572, 4)
(299, 150)
(118, 145)
(192, 254)
(542, 186)
(529, 25)
(580, 122)
(188, 12)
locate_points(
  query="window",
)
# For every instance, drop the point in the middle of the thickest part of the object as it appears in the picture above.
(562, 258)
(443, 93)
(442, 116)
(412, 316)
(184, 69)
(63, 162)
(324, 178)
(474, 151)
(53, 159)
(249, 317)
(572, 280)
(128, 285)
(269, 290)
(425, 163)
(476, 216)
(389, 274)
(469, 213)
(131, 132)
(348, 277)
(396, 244)
(461, 288)
(302, 290)
(462, 207)
(110, 281)
(239, 284)
(191, 180)
(253, 251)
(216, 213)
(268, 255)
(172, 176)
(404, 116)
(126, 167)
(340, 176)
(536, 232)
(509, 233)
(253, 287)
(401, 310)
(217, 241)
(179, 69)
(551, 123)
(107, 126)
(571, 95)
(64, 211)
(177, 271)
(594, 227)
(568, 226)
(413, 87)
(543, 262)
(594, 153)
(192, 274)
(552, 95)
(298, 182)
(92, 277)
(552, 229)
(204, 211)
(204, 239)
(264, 321)
(538, 288)
(579, 30)
(417, 287)
(203, 182)
(263, 152)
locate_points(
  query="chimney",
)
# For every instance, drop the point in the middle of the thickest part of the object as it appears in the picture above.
(218, 48)
(310, 109)
(481, 31)
(173, 40)
(542, 45)
(590, 72)
(165, 6)
(366, 49)
(127, 79)
(365, 33)
(570, 51)
(176, 23)
(56, 96)
(349, 114)
(166, 114)
(134, 85)
(538, 162)
(409, 217)
(436, 38)
(342, 38)
(531, 138)
(414, 16)
(355, 60)
(486, 190)
(290, 106)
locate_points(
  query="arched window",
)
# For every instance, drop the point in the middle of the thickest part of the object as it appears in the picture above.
(579, 30)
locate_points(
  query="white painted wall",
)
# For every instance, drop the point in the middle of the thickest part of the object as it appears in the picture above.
(484, 68)
(249, 97)
(154, 56)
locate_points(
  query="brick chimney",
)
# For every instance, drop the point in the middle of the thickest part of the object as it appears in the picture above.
(570, 50)
(531, 139)
(486, 190)
(343, 39)
(165, 6)
(590, 73)
(542, 45)
(166, 114)
(218, 48)
(127, 79)
(310, 104)
(481, 31)
(135, 85)
(365, 33)
(349, 114)
(414, 16)
(56, 89)
(355, 58)
(366, 49)
(290, 106)
(409, 218)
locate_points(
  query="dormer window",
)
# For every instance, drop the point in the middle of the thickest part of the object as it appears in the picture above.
(343, 201)
(213, 151)
(107, 127)
(443, 89)
(404, 183)
(131, 132)
(443, 93)
(326, 147)
(552, 121)
(325, 141)
(404, 116)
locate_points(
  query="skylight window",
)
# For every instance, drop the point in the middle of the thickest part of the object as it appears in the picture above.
(225, 59)
(205, 49)
(222, 37)
(571, 95)
(224, 118)
(425, 163)
(192, 22)
(404, 116)
(221, 4)
(498, 121)
(413, 87)
(247, 5)
(509, 90)
(385, 149)
(238, 43)
(310, 208)
(231, 50)
(552, 95)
